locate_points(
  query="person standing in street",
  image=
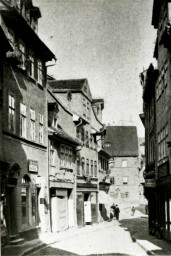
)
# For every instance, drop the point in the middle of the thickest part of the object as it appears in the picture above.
(117, 211)
(133, 210)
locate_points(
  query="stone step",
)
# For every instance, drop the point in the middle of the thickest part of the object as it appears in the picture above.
(14, 237)
(17, 241)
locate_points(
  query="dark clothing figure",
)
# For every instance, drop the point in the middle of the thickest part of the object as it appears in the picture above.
(113, 209)
(117, 211)
(133, 210)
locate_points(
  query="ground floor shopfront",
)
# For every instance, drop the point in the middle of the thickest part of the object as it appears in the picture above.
(87, 204)
(62, 205)
(24, 194)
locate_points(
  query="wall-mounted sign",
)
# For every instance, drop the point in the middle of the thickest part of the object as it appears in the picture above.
(33, 166)
(150, 183)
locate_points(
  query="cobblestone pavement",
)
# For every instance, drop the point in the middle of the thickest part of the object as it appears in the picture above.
(111, 240)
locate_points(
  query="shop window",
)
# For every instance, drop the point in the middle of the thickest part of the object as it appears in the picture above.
(23, 120)
(83, 165)
(25, 199)
(40, 128)
(95, 168)
(39, 72)
(32, 124)
(87, 167)
(125, 180)
(124, 163)
(11, 112)
(92, 168)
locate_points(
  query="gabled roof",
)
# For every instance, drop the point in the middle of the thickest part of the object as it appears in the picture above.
(73, 85)
(122, 141)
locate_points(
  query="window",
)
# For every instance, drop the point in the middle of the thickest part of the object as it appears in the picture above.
(41, 128)
(39, 72)
(78, 133)
(87, 139)
(162, 143)
(32, 124)
(25, 199)
(78, 165)
(92, 168)
(125, 180)
(84, 107)
(23, 120)
(88, 110)
(23, 55)
(83, 165)
(62, 160)
(11, 106)
(124, 163)
(87, 167)
(112, 180)
(82, 134)
(66, 156)
(31, 65)
(95, 168)
(52, 156)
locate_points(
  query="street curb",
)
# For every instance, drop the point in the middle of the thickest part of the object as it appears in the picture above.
(44, 245)
(135, 240)
(34, 249)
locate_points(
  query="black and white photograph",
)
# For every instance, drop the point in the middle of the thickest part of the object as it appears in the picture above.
(85, 127)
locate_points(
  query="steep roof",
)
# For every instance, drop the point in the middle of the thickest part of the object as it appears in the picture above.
(121, 141)
(73, 85)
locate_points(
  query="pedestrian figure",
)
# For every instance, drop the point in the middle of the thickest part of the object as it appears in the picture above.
(133, 210)
(113, 209)
(117, 211)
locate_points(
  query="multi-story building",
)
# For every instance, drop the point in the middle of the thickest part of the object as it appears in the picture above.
(148, 82)
(62, 169)
(121, 142)
(76, 95)
(161, 16)
(24, 121)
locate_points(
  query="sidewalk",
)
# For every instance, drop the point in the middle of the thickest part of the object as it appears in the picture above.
(46, 239)
(138, 228)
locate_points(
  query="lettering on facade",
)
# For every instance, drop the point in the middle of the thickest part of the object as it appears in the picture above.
(33, 166)
(64, 176)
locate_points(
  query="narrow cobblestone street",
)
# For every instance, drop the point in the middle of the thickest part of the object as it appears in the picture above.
(111, 240)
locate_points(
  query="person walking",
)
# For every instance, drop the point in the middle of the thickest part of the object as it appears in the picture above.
(133, 210)
(117, 211)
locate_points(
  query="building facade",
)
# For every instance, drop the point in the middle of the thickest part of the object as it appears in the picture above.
(24, 121)
(76, 95)
(62, 168)
(161, 221)
(121, 142)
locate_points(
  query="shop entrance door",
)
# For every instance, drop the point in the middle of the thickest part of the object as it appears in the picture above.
(80, 212)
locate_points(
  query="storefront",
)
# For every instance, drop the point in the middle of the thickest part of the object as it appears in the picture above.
(87, 204)
(62, 203)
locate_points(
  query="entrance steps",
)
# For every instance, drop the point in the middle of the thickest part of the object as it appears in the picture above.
(16, 240)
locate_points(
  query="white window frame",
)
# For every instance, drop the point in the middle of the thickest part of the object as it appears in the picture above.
(40, 128)
(23, 120)
(39, 72)
(11, 112)
(32, 124)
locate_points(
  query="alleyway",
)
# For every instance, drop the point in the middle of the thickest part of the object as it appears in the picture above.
(111, 240)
